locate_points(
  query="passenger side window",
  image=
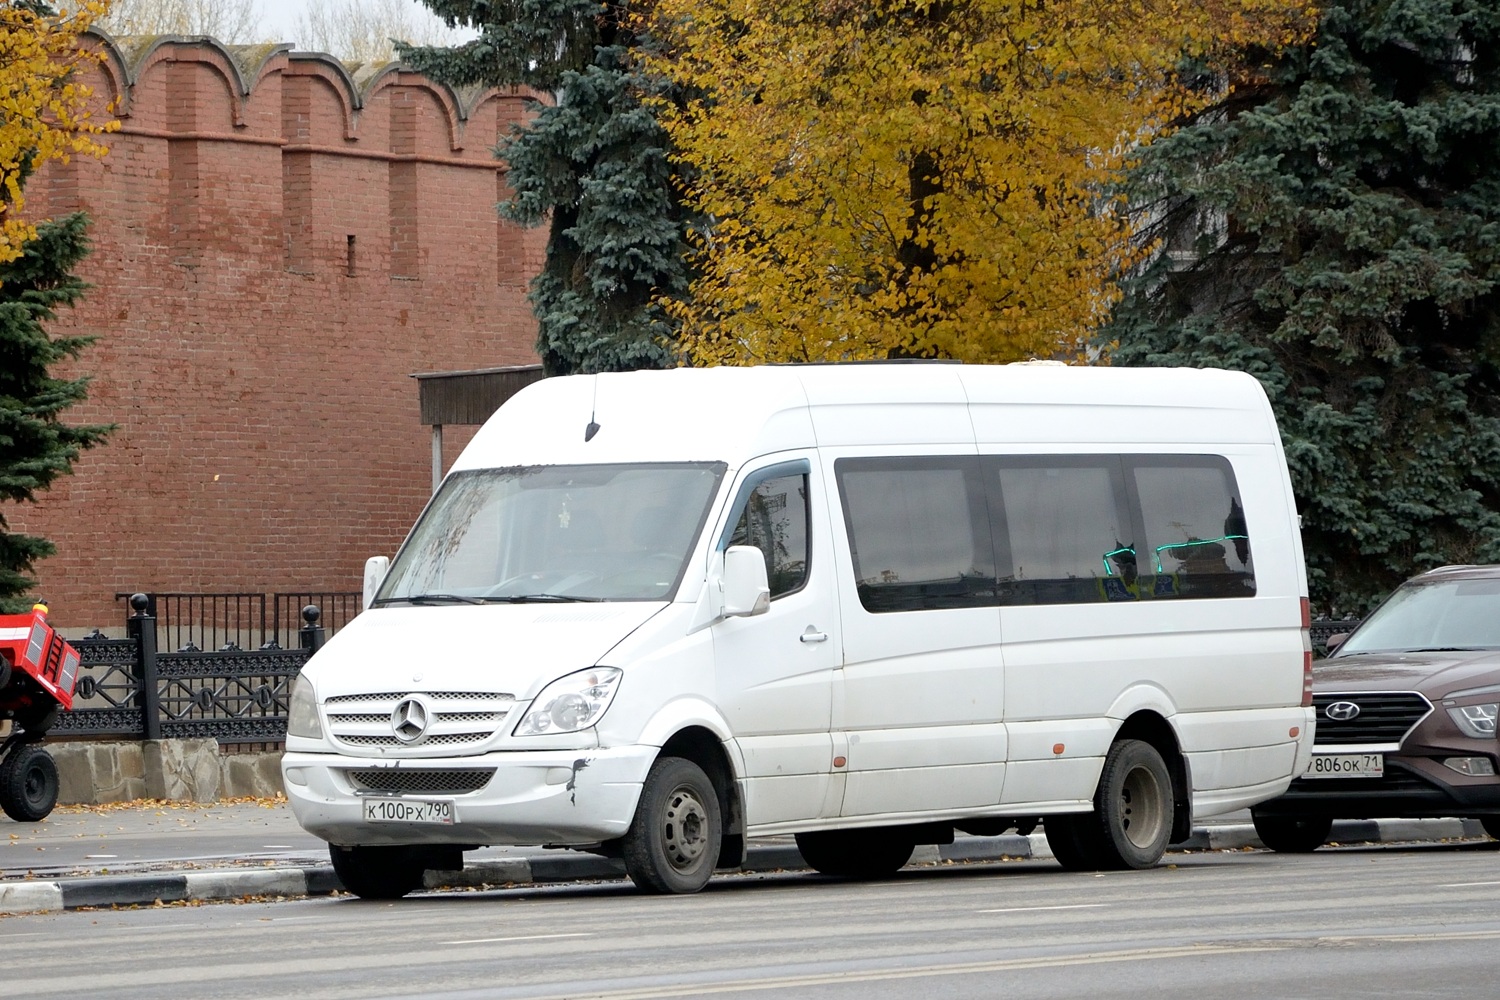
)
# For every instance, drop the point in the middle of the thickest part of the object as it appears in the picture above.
(1064, 534)
(918, 532)
(1196, 541)
(774, 520)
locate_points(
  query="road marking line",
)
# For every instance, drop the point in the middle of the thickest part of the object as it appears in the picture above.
(1406, 938)
(527, 937)
(1465, 885)
(920, 972)
(1029, 909)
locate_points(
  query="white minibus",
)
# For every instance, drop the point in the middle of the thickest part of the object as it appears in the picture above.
(650, 615)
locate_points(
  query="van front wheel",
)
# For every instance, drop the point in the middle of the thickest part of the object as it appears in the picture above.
(672, 845)
(377, 872)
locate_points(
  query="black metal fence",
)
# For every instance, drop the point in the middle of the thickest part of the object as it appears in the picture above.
(126, 689)
(1324, 629)
(191, 622)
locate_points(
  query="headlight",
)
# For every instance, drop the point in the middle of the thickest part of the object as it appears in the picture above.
(1476, 720)
(571, 703)
(302, 714)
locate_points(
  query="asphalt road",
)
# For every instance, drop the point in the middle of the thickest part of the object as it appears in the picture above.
(1341, 924)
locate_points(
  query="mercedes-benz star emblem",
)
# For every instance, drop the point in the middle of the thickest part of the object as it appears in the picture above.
(410, 720)
(1341, 711)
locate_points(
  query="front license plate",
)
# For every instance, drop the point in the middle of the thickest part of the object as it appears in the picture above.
(1345, 765)
(406, 810)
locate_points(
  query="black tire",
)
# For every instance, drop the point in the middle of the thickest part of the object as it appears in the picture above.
(673, 842)
(28, 783)
(377, 872)
(857, 854)
(1132, 818)
(1292, 834)
(1076, 841)
(1491, 825)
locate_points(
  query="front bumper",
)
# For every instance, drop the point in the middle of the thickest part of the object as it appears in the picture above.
(1412, 788)
(557, 797)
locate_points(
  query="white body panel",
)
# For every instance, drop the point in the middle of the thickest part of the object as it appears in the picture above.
(828, 714)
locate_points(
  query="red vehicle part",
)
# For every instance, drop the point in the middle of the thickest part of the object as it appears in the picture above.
(38, 669)
(41, 665)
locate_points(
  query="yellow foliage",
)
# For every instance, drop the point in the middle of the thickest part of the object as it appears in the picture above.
(922, 177)
(44, 109)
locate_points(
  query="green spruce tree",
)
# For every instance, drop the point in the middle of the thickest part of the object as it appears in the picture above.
(592, 165)
(35, 445)
(1335, 230)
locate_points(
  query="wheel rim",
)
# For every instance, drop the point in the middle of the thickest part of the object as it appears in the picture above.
(35, 785)
(685, 827)
(1142, 802)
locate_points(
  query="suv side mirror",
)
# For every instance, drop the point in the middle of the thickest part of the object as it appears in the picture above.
(1335, 641)
(375, 570)
(747, 591)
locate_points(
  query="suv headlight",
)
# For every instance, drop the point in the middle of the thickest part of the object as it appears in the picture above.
(571, 703)
(302, 714)
(1477, 721)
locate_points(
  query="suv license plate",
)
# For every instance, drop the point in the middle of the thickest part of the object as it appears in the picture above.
(1345, 765)
(406, 810)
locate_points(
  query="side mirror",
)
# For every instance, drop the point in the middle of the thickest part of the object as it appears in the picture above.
(1335, 641)
(375, 570)
(746, 589)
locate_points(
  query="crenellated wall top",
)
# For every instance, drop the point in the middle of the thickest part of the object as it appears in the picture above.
(244, 71)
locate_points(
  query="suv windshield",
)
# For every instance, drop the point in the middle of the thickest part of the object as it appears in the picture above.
(1440, 615)
(554, 533)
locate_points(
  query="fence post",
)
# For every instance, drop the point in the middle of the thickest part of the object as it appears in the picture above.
(311, 634)
(142, 628)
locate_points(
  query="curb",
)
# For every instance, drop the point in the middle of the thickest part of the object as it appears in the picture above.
(47, 896)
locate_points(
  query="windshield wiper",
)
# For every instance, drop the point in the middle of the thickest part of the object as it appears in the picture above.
(544, 599)
(425, 599)
(1446, 649)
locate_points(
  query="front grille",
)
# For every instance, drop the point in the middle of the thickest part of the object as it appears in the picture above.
(1384, 717)
(458, 718)
(451, 740)
(1395, 781)
(380, 779)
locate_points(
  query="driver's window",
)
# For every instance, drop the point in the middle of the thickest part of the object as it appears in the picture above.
(775, 521)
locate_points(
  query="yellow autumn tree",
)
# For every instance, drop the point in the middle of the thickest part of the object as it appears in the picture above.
(922, 178)
(45, 112)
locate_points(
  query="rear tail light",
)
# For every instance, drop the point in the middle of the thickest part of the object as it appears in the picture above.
(1307, 654)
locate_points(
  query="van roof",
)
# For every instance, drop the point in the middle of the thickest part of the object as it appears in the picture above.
(733, 414)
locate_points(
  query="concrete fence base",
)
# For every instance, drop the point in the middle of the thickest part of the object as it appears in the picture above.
(175, 770)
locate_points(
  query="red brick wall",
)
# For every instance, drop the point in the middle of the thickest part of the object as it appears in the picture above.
(277, 248)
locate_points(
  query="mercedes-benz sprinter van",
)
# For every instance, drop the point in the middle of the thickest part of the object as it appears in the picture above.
(652, 614)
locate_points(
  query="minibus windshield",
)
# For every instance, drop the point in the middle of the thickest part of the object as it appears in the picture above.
(554, 533)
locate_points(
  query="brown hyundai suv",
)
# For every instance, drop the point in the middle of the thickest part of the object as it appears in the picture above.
(1406, 708)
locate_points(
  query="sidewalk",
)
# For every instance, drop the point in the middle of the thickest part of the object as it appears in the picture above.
(138, 853)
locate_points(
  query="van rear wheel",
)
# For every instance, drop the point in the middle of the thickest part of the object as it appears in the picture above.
(1291, 834)
(858, 854)
(673, 843)
(1132, 818)
(1075, 841)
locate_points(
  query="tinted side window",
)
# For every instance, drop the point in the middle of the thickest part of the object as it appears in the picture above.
(1196, 542)
(1064, 534)
(775, 521)
(918, 531)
